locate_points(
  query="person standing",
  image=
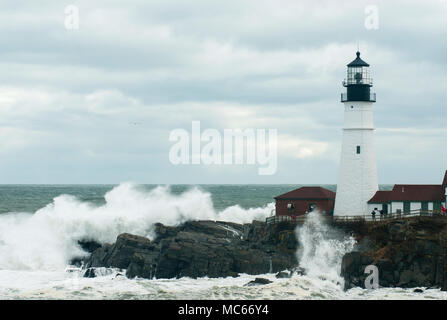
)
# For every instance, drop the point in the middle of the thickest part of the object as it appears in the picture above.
(376, 212)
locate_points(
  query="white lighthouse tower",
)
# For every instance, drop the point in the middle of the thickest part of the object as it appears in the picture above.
(357, 181)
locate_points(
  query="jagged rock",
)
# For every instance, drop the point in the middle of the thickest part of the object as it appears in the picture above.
(398, 230)
(90, 273)
(298, 271)
(201, 248)
(77, 261)
(408, 253)
(283, 274)
(89, 245)
(258, 281)
(444, 283)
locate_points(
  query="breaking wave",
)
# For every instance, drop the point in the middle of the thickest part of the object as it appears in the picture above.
(47, 239)
(321, 248)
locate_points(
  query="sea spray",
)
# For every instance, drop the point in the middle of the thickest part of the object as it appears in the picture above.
(321, 248)
(47, 239)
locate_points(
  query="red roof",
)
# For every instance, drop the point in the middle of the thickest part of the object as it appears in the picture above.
(308, 193)
(380, 196)
(410, 192)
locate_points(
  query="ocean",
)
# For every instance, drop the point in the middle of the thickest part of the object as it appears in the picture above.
(40, 226)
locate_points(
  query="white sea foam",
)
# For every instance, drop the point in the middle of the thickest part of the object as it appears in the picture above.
(47, 239)
(321, 249)
(20, 284)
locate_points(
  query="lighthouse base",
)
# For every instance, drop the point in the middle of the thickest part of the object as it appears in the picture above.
(357, 182)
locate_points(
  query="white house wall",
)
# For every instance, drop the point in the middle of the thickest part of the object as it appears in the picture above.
(396, 206)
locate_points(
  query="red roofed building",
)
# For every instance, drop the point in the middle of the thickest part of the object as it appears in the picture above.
(302, 200)
(407, 197)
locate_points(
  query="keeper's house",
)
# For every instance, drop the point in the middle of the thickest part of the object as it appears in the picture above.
(407, 197)
(303, 200)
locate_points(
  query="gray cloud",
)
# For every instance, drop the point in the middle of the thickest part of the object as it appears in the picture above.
(69, 100)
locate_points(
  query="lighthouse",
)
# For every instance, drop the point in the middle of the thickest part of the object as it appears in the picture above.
(357, 180)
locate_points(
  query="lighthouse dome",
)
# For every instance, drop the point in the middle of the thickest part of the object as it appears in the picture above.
(358, 62)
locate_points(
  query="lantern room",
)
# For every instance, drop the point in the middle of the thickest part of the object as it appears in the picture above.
(358, 82)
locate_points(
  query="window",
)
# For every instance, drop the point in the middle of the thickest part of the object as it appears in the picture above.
(358, 75)
(358, 149)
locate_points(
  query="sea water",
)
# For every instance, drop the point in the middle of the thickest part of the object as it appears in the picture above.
(40, 226)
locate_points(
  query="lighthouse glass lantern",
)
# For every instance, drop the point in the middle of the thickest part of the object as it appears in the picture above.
(358, 82)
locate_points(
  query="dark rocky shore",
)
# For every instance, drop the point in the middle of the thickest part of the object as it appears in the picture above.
(407, 252)
(198, 249)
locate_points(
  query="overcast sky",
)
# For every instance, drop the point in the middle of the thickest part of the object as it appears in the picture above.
(97, 104)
